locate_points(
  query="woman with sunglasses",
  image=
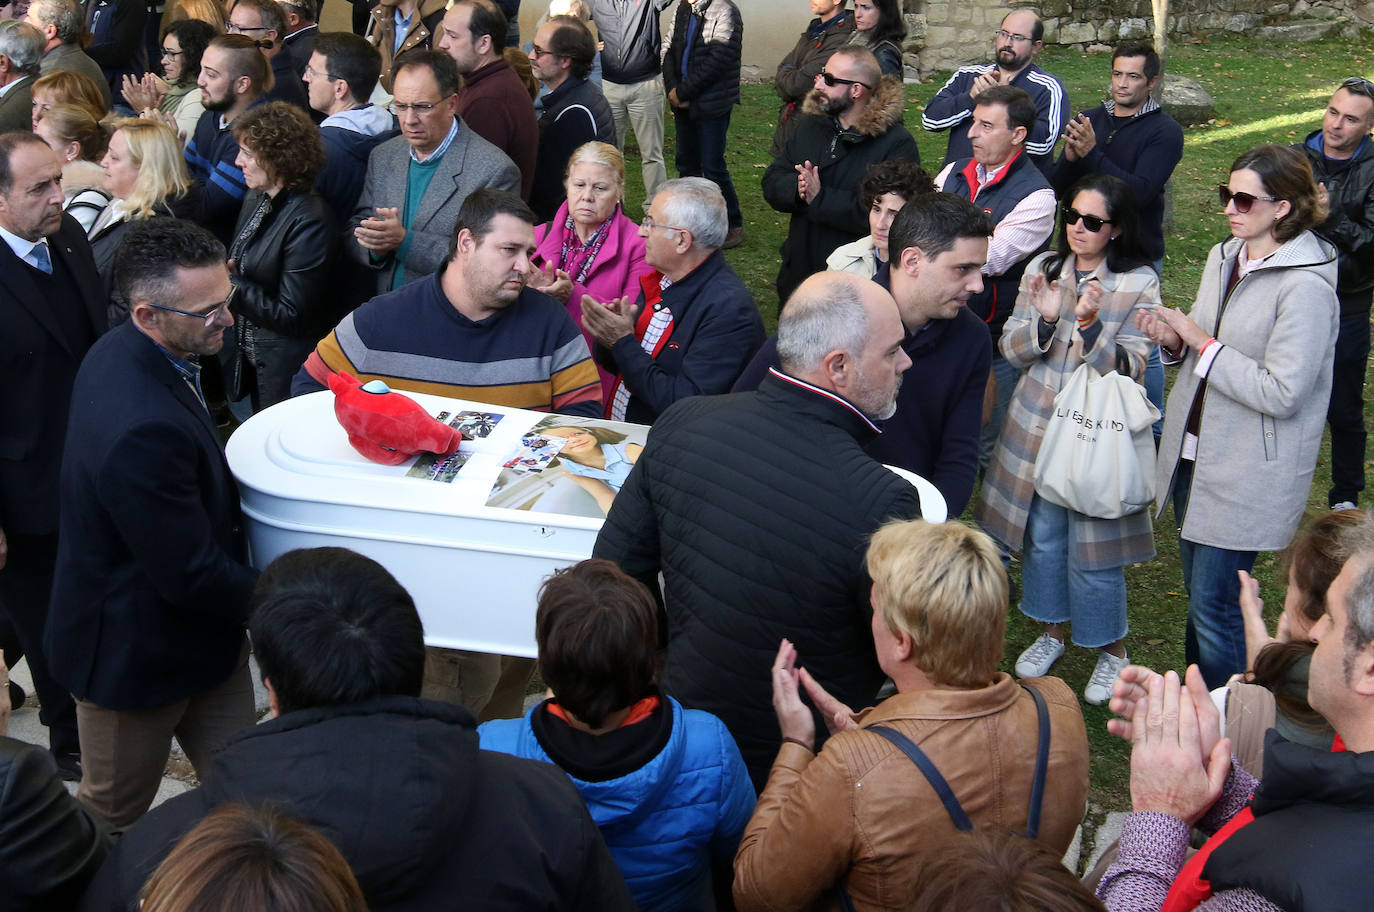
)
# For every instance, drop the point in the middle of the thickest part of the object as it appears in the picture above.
(1077, 305)
(1245, 415)
(878, 26)
(176, 97)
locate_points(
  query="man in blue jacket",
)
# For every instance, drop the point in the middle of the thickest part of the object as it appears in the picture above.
(694, 325)
(939, 243)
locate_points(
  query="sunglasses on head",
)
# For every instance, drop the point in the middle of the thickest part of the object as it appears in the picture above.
(1091, 222)
(1359, 86)
(1243, 201)
(832, 80)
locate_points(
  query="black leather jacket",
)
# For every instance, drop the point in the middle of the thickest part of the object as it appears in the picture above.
(283, 280)
(50, 845)
(1350, 226)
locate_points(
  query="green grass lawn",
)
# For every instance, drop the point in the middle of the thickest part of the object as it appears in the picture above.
(1263, 94)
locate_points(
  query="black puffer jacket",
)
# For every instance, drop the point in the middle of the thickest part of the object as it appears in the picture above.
(425, 819)
(711, 87)
(283, 278)
(836, 216)
(50, 845)
(757, 507)
(1350, 226)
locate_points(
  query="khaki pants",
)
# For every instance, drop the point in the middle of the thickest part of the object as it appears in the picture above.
(124, 752)
(641, 105)
(490, 686)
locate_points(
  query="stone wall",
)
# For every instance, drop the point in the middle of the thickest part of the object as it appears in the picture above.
(942, 34)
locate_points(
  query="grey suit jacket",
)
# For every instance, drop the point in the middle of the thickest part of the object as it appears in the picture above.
(470, 163)
(71, 57)
(16, 107)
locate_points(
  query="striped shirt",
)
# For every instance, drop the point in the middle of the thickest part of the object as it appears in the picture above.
(529, 355)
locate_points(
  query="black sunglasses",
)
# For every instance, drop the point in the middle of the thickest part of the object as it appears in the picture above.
(1091, 222)
(1243, 201)
(832, 80)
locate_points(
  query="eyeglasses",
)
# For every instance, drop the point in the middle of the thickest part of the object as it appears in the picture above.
(832, 80)
(1011, 36)
(240, 29)
(170, 53)
(1091, 222)
(649, 224)
(1359, 85)
(422, 108)
(310, 73)
(1243, 201)
(536, 52)
(207, 318)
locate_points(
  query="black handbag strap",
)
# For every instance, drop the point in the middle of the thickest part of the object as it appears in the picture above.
(941, 786)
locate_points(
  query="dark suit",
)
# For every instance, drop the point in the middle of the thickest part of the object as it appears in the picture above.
(45, 331)
(16, 106)
(152, 587)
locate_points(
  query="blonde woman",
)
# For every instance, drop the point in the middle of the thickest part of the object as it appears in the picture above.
(79, 141)
(145, 173)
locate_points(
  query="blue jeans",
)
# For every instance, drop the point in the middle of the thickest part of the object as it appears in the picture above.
(1215, 638)
(1154, 388)
(1055, 589)
(701, 153)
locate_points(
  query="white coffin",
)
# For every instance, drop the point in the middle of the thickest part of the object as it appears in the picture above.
(472, 557)
(473, 569)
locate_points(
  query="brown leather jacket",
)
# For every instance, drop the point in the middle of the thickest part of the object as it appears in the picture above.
(381, 32)
(860, 811)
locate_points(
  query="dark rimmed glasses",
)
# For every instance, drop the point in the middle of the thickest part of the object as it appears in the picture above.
(208, 317)
(832, 80)
(1091, 222)
(1243, 201)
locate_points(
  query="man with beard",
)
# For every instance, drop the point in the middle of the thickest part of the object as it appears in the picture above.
(1342, 158)
(152, 582)
(939, 243)
(853, 119)
(472, 331)
(234, 76)
(1015, 44)
(773, 545)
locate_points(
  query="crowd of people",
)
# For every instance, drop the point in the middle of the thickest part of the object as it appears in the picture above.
(773, 684)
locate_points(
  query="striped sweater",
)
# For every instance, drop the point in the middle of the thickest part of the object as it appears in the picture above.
(528, 356)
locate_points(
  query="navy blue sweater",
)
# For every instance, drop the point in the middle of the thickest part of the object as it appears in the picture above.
(939, 408)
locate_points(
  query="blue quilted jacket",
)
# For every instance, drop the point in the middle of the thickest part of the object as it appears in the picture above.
(665, 821)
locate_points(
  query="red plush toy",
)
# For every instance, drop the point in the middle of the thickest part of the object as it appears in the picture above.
(386, 426)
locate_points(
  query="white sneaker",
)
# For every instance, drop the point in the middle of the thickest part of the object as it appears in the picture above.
(1039, 656)
(1344, 505)
(1099, 689)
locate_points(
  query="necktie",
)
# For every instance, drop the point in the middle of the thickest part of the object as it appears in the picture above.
(41, 259)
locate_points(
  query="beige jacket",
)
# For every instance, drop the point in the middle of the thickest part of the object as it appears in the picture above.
(860, 811)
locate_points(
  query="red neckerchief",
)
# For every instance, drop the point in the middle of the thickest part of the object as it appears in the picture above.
(971, 175)
(641, 710)
(1190, 889)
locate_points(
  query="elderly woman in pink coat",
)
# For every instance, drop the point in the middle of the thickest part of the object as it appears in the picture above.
(591, 247)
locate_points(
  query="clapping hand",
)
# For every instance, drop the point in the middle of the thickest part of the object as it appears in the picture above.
(383, 234)
(984, 82)
(1045, 296)
(1158, 329)
(552, 281)
(1079, 138)
(146, 93)
(1089, 301)
(794, 717)
(808, 181)
(1177, 766)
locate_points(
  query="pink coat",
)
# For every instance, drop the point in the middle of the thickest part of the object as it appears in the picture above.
(614, 273)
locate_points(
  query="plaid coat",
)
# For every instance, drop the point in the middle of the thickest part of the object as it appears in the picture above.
(1008, 489)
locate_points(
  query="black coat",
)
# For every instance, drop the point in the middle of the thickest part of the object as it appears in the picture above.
(284, 278)
(39, 358)
(105, 244)
(757, 508)
(425, 819)
(836, 216)
(711, 87)
(152, 583)
(1350, 224)
(50, 844)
